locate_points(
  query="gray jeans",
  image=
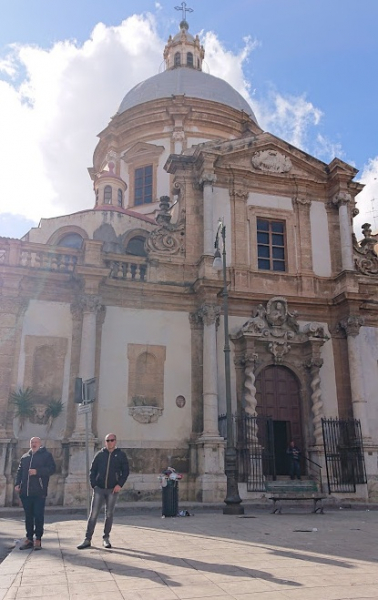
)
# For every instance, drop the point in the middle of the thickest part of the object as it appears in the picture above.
(99, 498)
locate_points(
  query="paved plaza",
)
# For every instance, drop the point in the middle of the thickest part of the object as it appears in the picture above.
(260, 556)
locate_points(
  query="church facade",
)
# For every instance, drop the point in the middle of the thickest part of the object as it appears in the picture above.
(125, 293)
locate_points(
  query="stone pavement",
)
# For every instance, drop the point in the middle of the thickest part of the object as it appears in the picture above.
(296, 555)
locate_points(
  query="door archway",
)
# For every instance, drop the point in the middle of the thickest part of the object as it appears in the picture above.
(278, 397)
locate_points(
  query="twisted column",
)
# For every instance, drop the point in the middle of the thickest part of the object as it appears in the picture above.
(314, 365)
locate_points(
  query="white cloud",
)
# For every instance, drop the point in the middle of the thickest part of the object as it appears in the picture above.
(67, 95)
(54, 101)
(367, 200)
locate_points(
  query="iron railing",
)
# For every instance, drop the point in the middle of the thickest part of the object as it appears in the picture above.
(344, 454)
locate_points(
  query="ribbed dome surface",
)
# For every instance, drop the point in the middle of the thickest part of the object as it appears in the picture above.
(189, 82)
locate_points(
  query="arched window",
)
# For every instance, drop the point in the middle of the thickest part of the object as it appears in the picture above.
(120, 198)
(107, 194)
(71, 240)
(177, 59)
(189, 59)
(135, 246)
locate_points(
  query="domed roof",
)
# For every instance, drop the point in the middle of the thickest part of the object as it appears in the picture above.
(189, 82)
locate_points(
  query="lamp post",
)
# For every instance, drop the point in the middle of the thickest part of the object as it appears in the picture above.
(232, 499)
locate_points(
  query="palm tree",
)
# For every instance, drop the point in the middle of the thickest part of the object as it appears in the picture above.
(23, 401)
(53, 410)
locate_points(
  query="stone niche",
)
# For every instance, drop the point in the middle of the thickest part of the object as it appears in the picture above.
(44, 371)
(146, 382)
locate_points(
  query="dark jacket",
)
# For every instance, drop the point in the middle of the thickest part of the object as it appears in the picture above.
(109, 469)
(35, 485)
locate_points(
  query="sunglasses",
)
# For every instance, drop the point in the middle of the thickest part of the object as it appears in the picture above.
(110, 440)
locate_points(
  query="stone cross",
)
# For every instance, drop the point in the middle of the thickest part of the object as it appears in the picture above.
(184, 10)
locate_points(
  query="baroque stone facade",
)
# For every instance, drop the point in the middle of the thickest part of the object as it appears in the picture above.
(125, 294)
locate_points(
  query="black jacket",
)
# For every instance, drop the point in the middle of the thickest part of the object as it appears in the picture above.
(35, 485)
(109, 469)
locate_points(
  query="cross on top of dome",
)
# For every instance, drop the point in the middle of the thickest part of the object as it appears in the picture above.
(184, 10)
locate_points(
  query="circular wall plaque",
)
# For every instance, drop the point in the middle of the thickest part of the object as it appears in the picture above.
(180, 401)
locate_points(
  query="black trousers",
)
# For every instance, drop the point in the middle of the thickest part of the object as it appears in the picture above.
(34, 508)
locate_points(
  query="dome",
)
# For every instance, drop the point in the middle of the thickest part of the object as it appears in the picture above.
(189, 82)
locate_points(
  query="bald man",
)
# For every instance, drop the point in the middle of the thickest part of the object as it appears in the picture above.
(32, 480)
(108, 473)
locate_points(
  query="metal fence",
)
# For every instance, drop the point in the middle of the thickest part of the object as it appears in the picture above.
(344, 454)
(255, 449)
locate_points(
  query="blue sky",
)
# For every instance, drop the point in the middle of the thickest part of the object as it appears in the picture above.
(308, 68)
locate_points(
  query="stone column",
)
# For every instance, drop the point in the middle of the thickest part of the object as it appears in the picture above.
(352, 325)
(314, 364)
(207, 181)
(208, 457)
(210, 317)
(341, 200)
(76, 484)
(250, 401)
(303, 205)
(90, 305)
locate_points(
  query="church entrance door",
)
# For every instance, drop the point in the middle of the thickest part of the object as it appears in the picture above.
(277, 395)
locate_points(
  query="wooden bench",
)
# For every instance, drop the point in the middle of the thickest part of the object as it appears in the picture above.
(290, 497)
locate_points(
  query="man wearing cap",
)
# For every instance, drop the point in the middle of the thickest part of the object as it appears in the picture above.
(32, 479)
(108, 473)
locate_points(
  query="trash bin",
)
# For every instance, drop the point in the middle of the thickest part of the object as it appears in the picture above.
(170, 499)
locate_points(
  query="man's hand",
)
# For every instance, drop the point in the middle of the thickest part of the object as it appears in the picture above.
(17, 488)
(117, 489)
(32, 471)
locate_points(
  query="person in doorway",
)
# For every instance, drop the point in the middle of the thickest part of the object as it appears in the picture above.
(294, 455)
(108, 473)
(32, 480)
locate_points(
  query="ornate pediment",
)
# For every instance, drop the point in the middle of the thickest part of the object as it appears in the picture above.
(142, 150)
(277, 325)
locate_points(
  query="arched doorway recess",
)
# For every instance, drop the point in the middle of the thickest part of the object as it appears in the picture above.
(277, 363)
(278, 397)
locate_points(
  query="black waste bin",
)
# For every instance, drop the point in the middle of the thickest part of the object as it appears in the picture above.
(170, 499)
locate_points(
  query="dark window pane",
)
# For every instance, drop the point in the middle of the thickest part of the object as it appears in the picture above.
(278, 253)
(278, 227)
(262, 238)
(147, 199)
(263, 251)
(148, 190)
(136, 247)
(138, 201)
(138, 193)
(71, 240)
(148, 180)
(278, 265)
(262, 225)
(148, 170)
(277, 239)
(139, 173)
(264, 264)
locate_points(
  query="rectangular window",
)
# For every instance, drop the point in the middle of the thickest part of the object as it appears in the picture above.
(143, 185)
(271, 245)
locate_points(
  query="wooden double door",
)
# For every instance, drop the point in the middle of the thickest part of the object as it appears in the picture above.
(278, 397)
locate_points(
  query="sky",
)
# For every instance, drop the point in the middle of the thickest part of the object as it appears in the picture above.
(309, 69)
